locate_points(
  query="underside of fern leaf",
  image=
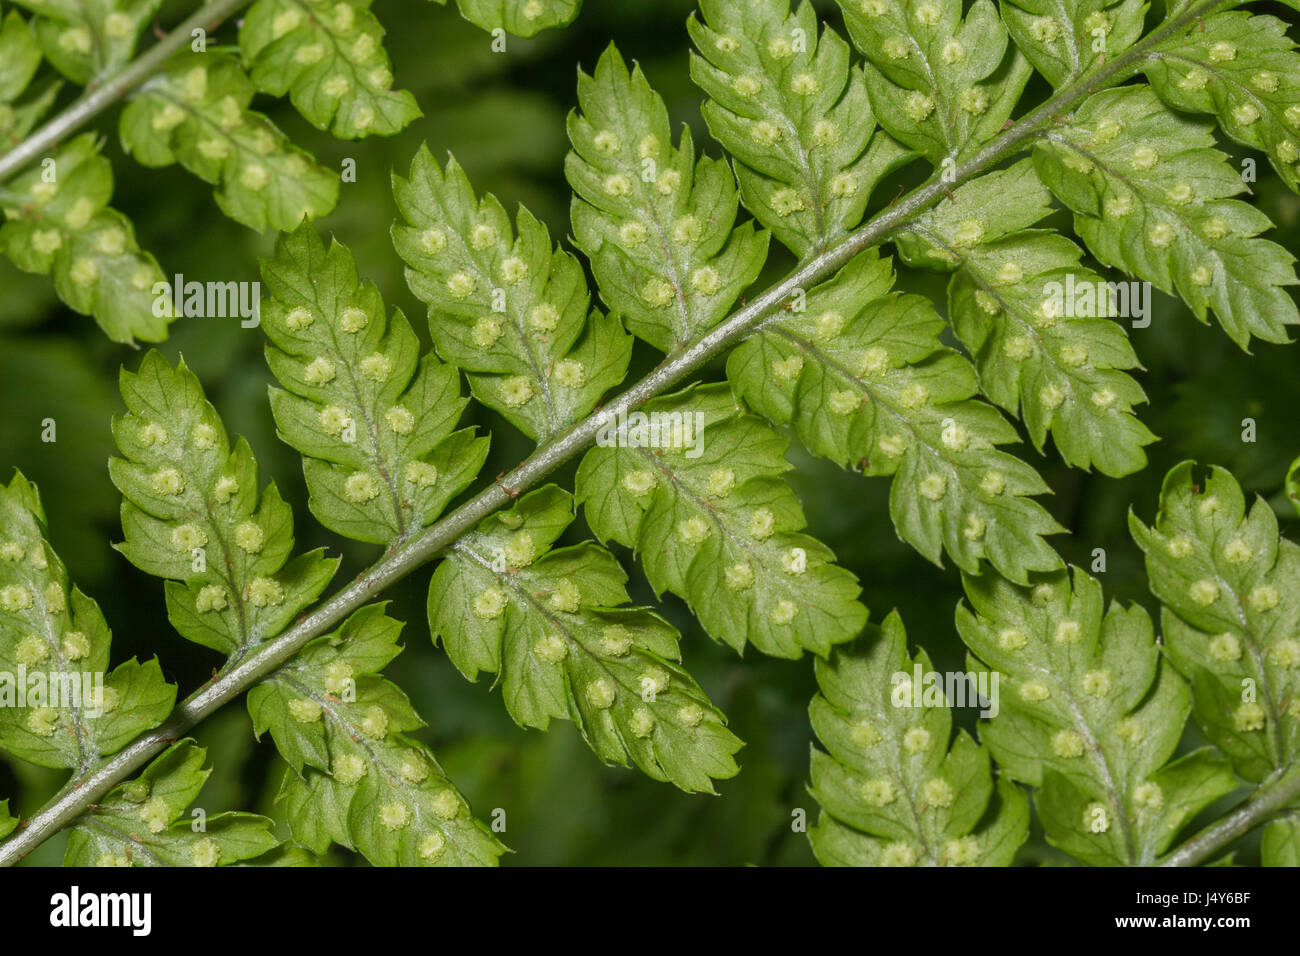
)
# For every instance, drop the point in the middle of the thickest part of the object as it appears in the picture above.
(1231, 590)
(1151, 195)
(695, 487)
(794, 114)
(508, 308)
(54, 630)
(1052, 159)
(191, 513)
(1090, 717)
(656, 225)
(864, 380)
(553, 624)
(892, 790)
(327, 55)
(376, 423)
(143, 822)
(356, 778)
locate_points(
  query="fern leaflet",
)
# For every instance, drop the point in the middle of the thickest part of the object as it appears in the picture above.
(191, 513)
(893, 793)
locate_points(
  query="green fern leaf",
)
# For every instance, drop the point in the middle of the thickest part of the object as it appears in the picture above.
(997, 204)
(511, 309)
(51, 631)
(191, 513)
(286, 855)
(357, 780)
(196, 113)
(1244, 70)
(892, 791)
(1231, 590)
(17, 120)
(551, 623)
(794, 114)
(1090, 717)
(1280, 845)
(7, 823)
(939, 84)
(328, 55)
(1151, 195)
(142, 822)
(375, 422)
(64, 227)
(1064, 39)
(522, 18)
(656, 225)
(85, 39)
(20, 57)
(292, 703)
(863, 379)
(697, 488)
(1012, 302)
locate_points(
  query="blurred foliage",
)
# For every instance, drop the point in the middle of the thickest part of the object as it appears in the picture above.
(502, 116)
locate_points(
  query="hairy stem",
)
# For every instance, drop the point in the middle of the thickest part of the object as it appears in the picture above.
(404, 557)
(1271, 796)
(100, 95)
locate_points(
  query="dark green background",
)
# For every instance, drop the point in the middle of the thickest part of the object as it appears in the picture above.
(502, 115)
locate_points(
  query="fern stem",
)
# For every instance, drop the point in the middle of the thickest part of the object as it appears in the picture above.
(100, 95)
(408, 554)
(1268, 799)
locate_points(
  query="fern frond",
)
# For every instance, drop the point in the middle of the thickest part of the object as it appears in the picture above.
(1151, 195)
(697, 488)
(85, 39)
(49, 628)
(511, 309)
(328, 55)
(355, 778)
(863, 379)
(1055, 362)
(795, 116)
(940, 84)
(140, 823)
(1064, 39)
(1244, 70)
(1090, 717)
(374, 421)
(522, 18)
(195, 112)
(1231, 590)
(191, 513)
(552, 623)
(892, 791)
(657, 226)
(63, 227)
